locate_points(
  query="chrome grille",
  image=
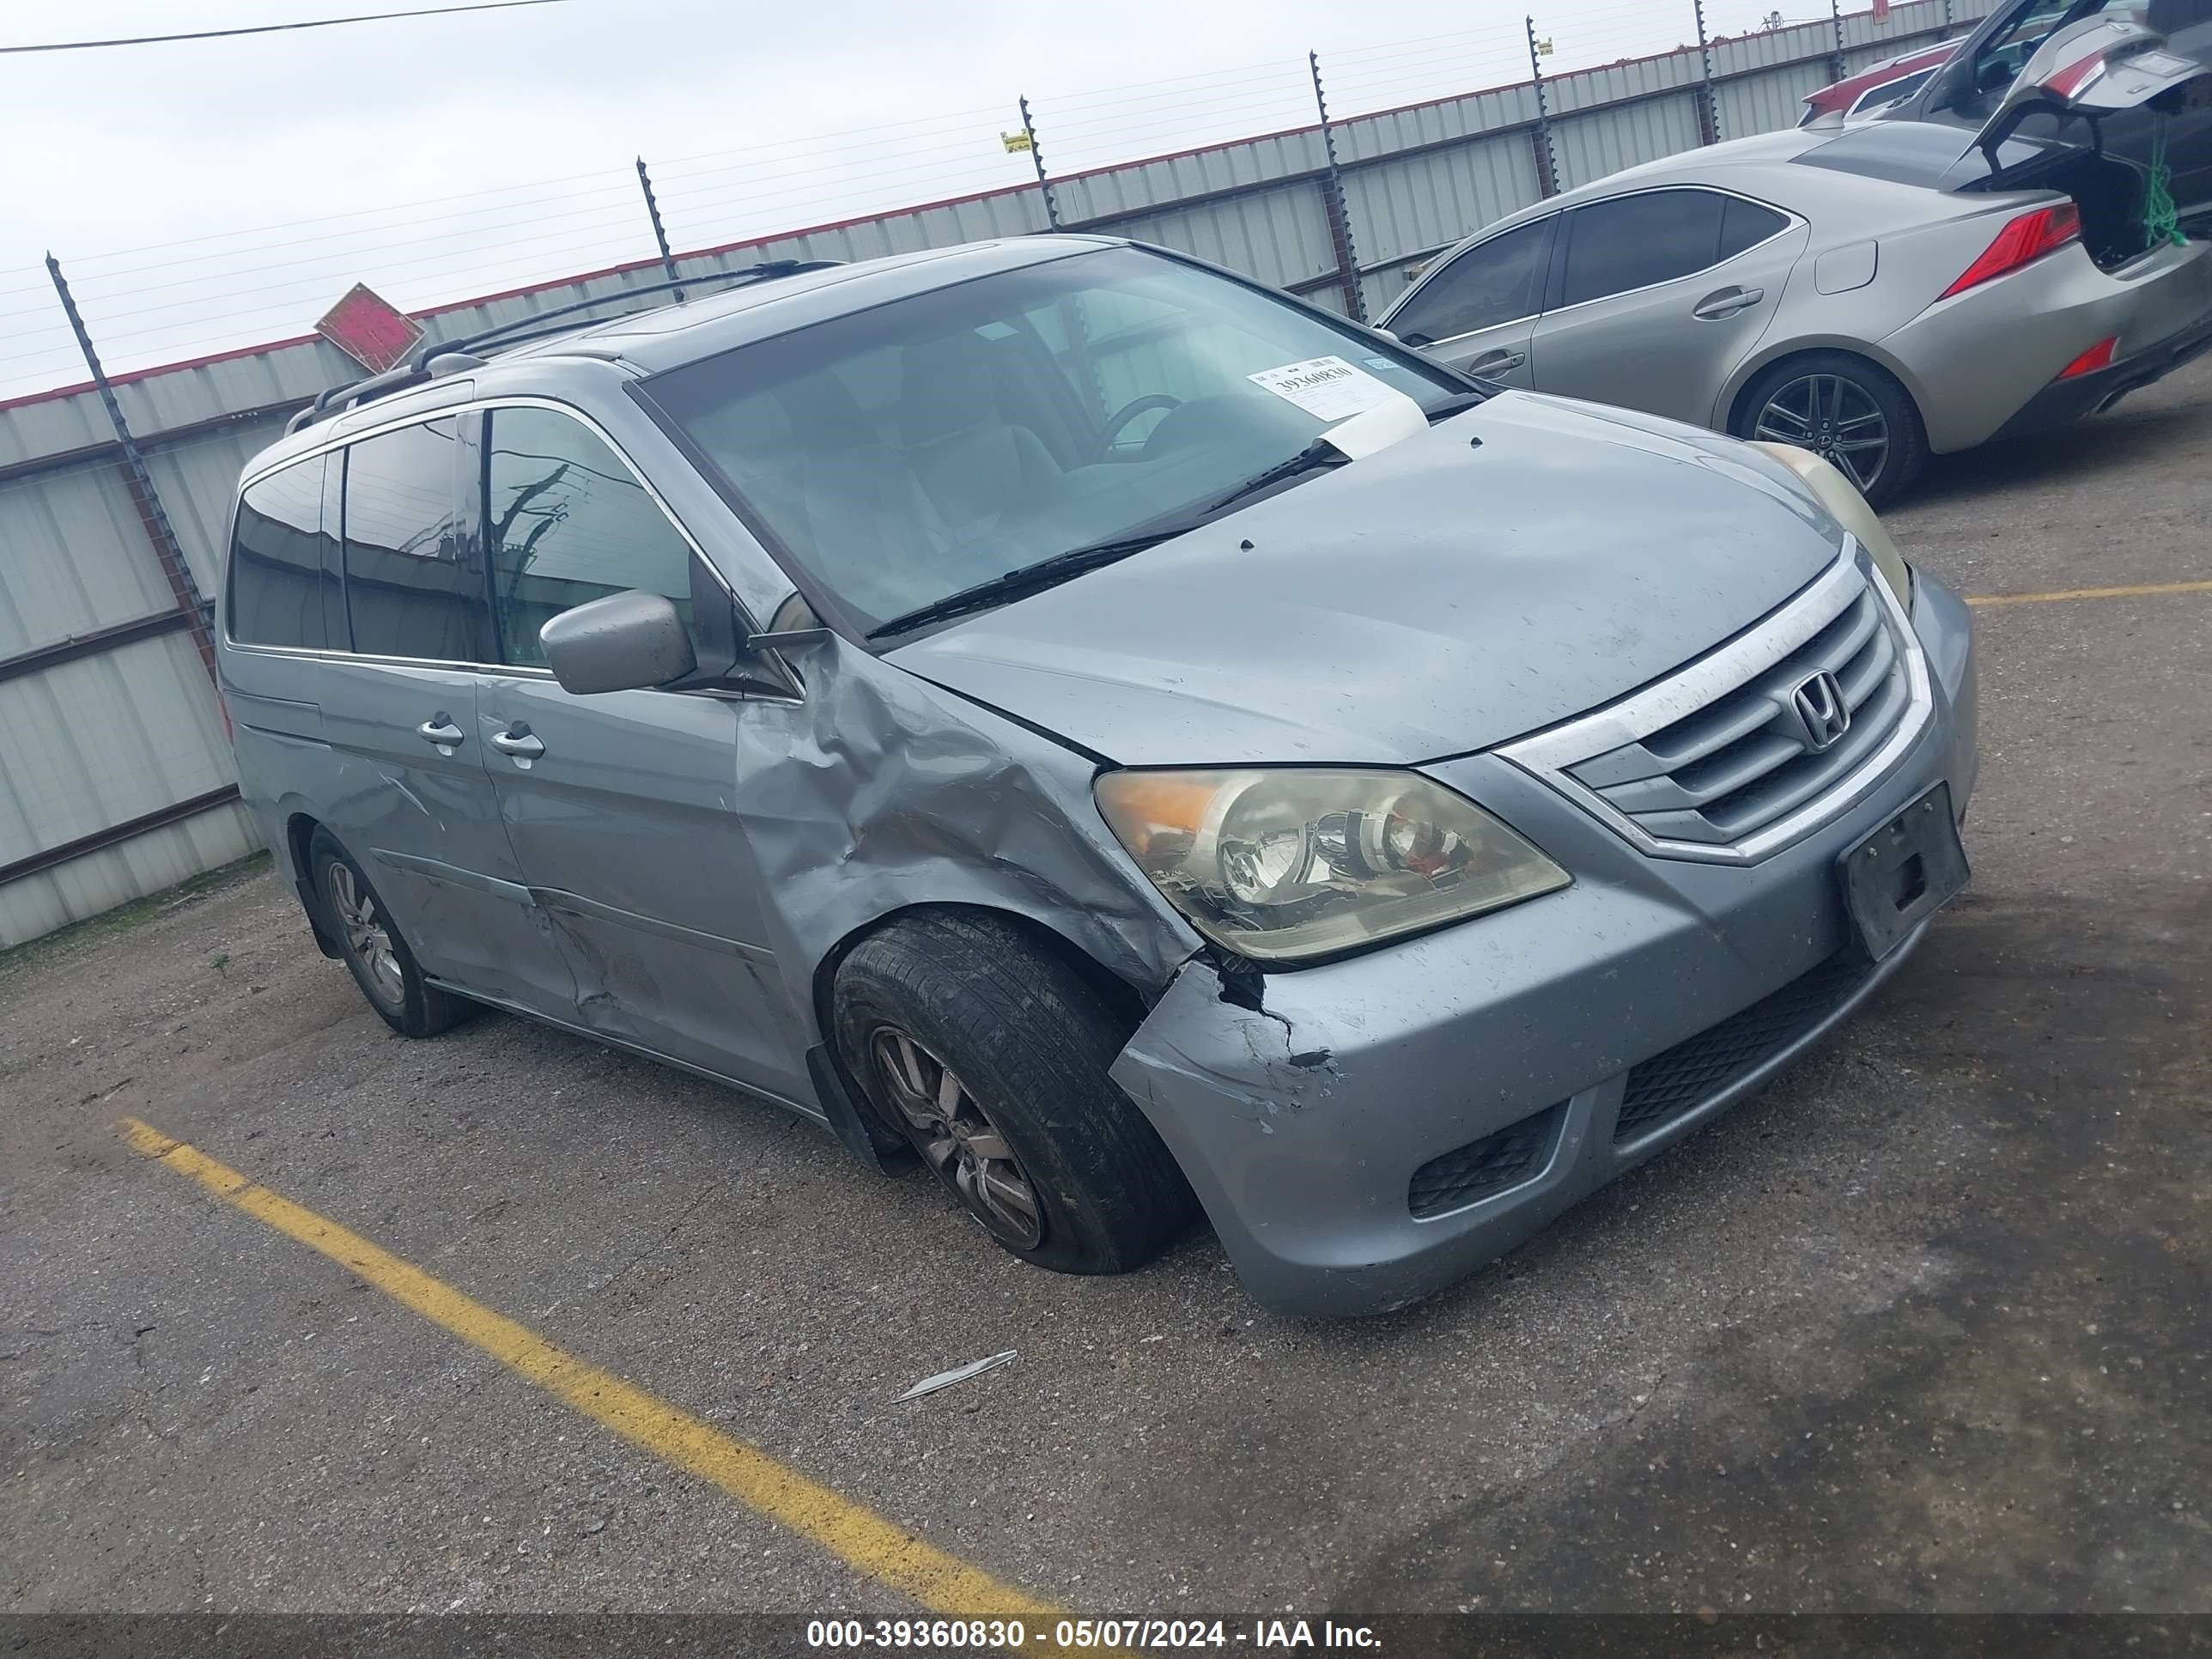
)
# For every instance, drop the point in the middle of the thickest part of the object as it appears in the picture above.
(1719, 762)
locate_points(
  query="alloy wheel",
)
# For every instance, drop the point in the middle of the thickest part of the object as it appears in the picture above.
(957, 1140)
(368, 934)
(1836, 418)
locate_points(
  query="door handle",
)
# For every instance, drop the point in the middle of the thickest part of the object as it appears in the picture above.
(1718, 306)
(1496, 363)
(440, 730)
(516, 741)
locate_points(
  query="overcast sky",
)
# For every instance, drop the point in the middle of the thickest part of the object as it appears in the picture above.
(210, 194)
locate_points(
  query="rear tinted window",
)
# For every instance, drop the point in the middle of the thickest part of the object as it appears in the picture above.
(1746, 225)
(284, 584)
(414, 585)
(1495, 281)
(1633, 241)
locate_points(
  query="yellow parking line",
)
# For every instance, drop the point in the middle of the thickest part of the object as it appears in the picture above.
(2141, 591)
(854, 1533)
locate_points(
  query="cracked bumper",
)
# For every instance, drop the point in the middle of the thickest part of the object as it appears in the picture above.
(1301, 1127)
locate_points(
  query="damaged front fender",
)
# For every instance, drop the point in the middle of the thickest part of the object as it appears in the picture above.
(879, 792)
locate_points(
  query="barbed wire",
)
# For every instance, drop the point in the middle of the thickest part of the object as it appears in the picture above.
(184, 296)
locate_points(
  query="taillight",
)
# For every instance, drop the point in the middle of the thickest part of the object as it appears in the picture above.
(2098, 356)
(2027, 238)
(2069, 81)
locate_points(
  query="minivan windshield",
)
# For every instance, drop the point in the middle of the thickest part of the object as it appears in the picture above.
(915, 450)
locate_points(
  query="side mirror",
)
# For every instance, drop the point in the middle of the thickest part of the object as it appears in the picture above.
(624, 642)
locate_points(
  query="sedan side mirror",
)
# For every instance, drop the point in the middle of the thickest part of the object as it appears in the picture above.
(624, 642)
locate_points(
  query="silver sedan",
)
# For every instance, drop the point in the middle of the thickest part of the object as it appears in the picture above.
(1874, 292)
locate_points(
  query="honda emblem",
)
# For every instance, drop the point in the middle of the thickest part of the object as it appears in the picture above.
(1822, 715)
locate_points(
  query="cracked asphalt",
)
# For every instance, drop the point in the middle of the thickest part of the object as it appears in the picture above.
(1924, 1326)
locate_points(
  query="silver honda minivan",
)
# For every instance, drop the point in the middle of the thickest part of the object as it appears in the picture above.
(1133, 741)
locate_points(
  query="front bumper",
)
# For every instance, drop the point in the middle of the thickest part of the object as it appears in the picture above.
(1302, 1126)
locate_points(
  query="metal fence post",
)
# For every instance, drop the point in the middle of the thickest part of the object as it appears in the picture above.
(660, 230)
(1710, 110)
(1340, 214)
(168, 553)
(1547, 158)
(1836, 66)
(1947, 19)
(1037, 160)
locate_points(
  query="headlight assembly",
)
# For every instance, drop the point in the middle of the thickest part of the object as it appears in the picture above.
(1289, 864)
(1849, 508)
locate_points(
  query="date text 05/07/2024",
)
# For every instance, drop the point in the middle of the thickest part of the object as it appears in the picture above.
(1010, 1635)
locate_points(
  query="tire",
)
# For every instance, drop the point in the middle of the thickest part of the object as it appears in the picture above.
(372, 948)
(1774, 407)
(1027, 1043)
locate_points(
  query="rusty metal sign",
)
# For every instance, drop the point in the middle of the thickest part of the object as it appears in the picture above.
(369, 329)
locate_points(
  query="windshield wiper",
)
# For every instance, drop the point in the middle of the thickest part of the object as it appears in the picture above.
(1047, 572)
(1456, 405)
(1319, 453)
(1030, 579)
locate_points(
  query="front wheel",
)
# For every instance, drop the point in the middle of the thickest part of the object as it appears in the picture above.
(1853, 414)
(991, 1053)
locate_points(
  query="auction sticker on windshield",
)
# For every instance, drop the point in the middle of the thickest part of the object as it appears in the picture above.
(1328, 388)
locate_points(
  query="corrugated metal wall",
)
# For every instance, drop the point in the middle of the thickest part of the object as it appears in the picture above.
(115, 778)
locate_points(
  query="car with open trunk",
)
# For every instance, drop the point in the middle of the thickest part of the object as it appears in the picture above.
(1877, 291)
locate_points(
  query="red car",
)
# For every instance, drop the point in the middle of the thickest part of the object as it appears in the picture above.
(1882, 84)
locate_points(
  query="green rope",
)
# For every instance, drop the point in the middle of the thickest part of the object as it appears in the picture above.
(2161, 218)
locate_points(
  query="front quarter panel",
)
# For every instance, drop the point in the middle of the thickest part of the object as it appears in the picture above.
(879, 791)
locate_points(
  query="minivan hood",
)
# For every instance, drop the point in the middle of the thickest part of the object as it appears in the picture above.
(1440, 597)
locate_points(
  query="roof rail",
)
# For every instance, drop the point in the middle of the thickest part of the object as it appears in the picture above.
(415, 367)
